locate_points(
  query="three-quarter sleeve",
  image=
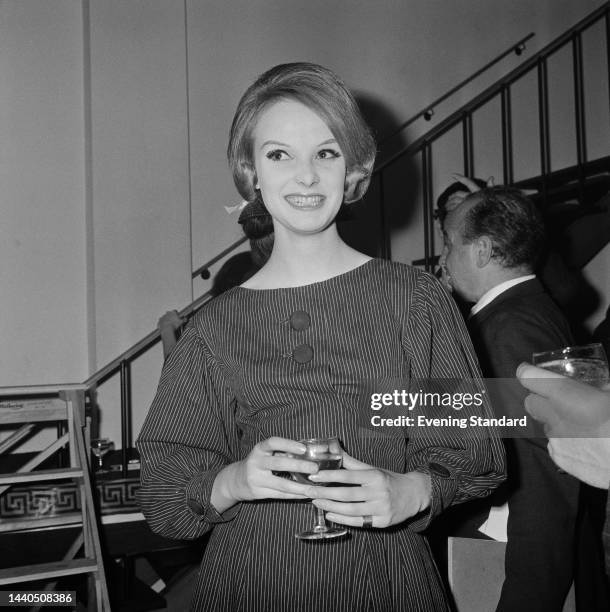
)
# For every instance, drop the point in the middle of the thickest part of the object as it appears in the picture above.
(463, 463)
(187, 438)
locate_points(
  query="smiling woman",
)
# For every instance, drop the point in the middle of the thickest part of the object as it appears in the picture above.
(288, 356)
(300, 169)
(276, 103)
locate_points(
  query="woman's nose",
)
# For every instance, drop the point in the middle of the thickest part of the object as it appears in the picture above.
(307, 174)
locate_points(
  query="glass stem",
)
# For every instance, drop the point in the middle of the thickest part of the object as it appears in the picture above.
(320, 520)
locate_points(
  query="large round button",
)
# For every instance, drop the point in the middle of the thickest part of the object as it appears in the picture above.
(300, 320)
(302, 353)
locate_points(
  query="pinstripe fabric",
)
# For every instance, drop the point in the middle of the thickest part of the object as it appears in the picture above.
(232, 381)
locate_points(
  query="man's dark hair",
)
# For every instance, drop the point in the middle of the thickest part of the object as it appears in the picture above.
(512, 222)
(440, 212)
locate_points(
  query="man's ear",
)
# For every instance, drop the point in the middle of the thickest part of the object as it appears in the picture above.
(483, 251)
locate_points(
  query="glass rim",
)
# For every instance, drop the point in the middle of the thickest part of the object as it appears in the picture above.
(318, 439)
(566, 350)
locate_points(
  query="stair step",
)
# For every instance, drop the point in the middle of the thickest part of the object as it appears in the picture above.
(44, 571)
(40, 475)
(33, 523)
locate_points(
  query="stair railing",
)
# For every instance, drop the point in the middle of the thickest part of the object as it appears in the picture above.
(464, 116)
(428, 111)
(122, 366)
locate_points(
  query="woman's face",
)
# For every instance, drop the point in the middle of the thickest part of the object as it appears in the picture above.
(300, 168)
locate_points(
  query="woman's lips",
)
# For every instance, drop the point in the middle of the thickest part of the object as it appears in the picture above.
(305, 201)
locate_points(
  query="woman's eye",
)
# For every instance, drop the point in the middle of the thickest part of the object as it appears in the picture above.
(277, 155)
(328, 154)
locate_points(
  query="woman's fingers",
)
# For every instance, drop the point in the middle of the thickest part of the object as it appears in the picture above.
(349, 463)
(342, 494)
(343, 509)
(276, 494)
(354, 521)
(284, 463)
(348, 477)
(275, 444)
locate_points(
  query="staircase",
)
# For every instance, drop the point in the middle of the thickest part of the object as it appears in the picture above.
(63, 407)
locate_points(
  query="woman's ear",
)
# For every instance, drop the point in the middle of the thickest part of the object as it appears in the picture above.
(249, 181)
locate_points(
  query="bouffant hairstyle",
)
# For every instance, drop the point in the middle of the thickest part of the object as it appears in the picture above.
(325, 94)
(513, 224)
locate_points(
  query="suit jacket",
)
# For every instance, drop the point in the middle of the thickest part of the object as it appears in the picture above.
(542, 500)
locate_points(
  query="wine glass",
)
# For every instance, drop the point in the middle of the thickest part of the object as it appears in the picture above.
(99, 447)
(587, 363)
(328, 454)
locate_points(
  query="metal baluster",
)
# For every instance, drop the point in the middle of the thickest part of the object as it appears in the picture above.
(543, 119)
(468, 145)
(608, 52)
(507, 136)
(125, 414)
(579, 111)
(427, 203)
(579, 99)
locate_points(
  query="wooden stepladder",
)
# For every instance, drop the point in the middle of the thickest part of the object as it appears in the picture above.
(23, 408)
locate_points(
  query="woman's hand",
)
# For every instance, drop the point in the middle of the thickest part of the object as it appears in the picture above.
(254, 478)
(170, 320)
(388, 497)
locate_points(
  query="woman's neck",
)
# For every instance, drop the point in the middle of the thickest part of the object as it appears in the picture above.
(302, 260)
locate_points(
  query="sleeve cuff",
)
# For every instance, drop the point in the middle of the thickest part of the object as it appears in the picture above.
(444, 487)
(198, 492)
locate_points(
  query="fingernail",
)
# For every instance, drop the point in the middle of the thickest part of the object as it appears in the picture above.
(314, 476)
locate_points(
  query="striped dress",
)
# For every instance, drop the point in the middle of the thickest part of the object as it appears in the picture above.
(292, 362)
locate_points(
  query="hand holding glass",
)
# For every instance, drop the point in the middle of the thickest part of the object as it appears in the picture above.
(587, 363)
(328, 454)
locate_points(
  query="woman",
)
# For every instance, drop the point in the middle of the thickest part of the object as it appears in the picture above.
(282, 358)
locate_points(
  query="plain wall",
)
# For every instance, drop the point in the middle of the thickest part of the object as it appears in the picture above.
(43, 276)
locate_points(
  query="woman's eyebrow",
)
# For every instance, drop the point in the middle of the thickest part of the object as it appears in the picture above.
(276, 143)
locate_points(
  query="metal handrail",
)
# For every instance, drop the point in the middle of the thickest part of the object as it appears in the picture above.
(496, 88)
(502, 88)
(144, 344)
(428, 111)
(204, 271)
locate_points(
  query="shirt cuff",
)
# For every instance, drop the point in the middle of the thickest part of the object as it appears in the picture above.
(198, 492)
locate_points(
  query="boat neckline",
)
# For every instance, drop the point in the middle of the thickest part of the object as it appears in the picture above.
(314, 284)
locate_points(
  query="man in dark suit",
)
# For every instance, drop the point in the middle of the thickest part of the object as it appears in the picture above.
(493, 241)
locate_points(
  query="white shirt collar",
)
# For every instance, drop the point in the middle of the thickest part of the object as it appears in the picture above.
(494, 292)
